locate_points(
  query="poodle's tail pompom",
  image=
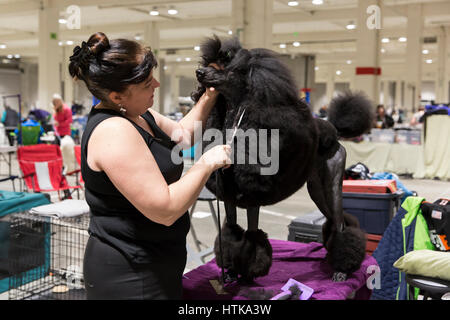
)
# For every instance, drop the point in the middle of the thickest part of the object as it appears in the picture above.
(351, 113)
(347, 250)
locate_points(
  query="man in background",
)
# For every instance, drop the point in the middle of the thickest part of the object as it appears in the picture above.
(10, 119)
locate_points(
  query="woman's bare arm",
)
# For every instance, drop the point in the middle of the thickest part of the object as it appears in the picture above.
(131, 167)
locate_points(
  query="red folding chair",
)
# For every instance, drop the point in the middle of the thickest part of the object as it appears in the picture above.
(42, 170)
(77, 149)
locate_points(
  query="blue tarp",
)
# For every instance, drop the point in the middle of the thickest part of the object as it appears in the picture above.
(11, 202)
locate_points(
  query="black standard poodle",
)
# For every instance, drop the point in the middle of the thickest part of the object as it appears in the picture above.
(258, 92)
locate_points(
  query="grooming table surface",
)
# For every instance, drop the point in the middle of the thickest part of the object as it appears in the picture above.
(304, 262)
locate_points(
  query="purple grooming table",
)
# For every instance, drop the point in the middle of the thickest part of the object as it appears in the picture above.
(304, 262)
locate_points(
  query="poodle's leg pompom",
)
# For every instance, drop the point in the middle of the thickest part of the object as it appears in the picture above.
(232, 237)
(254, 257)
(346, 250)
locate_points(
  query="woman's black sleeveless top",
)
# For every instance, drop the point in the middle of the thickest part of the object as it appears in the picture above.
(115, 220)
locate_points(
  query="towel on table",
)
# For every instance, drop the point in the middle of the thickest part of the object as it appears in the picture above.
(63, 209)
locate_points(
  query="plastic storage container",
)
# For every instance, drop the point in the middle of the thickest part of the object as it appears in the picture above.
(402, 136)
(307, 228)
(373, 210)
(382, 135)
(415, 137)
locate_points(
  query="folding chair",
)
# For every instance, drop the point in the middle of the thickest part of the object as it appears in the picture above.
(205, 195)
(430, 287)
(42, 170)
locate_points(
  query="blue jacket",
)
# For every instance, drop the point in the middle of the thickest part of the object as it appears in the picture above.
(407, 231)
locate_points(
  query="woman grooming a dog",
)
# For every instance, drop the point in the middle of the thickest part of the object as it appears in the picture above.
(139, 219)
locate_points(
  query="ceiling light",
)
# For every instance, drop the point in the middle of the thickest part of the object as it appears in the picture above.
(293, 3)
(62, 21)
(137, 38)
(316, 68)
(154, 12)
(187, 59)
(230, 32)
(282, 45)
(197, 48)
(296, 44)
(349, 61)
(402, 39)
(317, 2)
(425, 51)
(69, 42)
(2, 46)
(351, 26)
(178, 59)
(60, 43)
(9, 56)
(172, 11)
(166, 67)
(429, 61)
(383, 50)
(17, 56)
(385, 40)
(339, 72)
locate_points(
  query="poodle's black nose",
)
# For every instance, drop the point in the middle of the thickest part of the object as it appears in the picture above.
(200, 74)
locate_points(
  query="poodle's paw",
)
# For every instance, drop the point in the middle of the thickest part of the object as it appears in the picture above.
(339, 277)
(254, 258)
(346, 250)
(230, 276)
(232, 235)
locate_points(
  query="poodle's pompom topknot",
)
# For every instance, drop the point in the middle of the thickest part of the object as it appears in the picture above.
(351, 113)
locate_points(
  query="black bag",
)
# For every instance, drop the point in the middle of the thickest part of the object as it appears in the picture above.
(357, 171)
(437, 216)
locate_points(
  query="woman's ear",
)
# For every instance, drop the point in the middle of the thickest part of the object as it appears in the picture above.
(115, 97)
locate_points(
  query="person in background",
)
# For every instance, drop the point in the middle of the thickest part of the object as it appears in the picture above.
(415, 120)
(383, 120)
(396, 116)
(10, 119)
(62, 116)
(323, 114)
(43, 117)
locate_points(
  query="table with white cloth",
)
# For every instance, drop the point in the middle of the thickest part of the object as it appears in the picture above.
(429, 160)
(5, 155)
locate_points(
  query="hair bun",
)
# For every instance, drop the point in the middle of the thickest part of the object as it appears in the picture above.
(98, 43)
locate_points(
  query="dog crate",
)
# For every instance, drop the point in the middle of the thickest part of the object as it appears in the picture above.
(26, 256)
(47, 257)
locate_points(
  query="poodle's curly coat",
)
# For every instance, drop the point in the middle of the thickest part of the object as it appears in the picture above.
(257, 81)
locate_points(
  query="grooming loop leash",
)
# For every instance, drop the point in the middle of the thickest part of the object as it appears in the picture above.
(229, 142)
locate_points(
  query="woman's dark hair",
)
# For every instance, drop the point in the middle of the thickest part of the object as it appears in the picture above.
(107, 66)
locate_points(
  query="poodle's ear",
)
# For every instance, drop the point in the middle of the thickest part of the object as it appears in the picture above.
(240, 61)
(210, 49)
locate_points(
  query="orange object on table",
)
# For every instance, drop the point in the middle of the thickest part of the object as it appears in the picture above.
(369, 186)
